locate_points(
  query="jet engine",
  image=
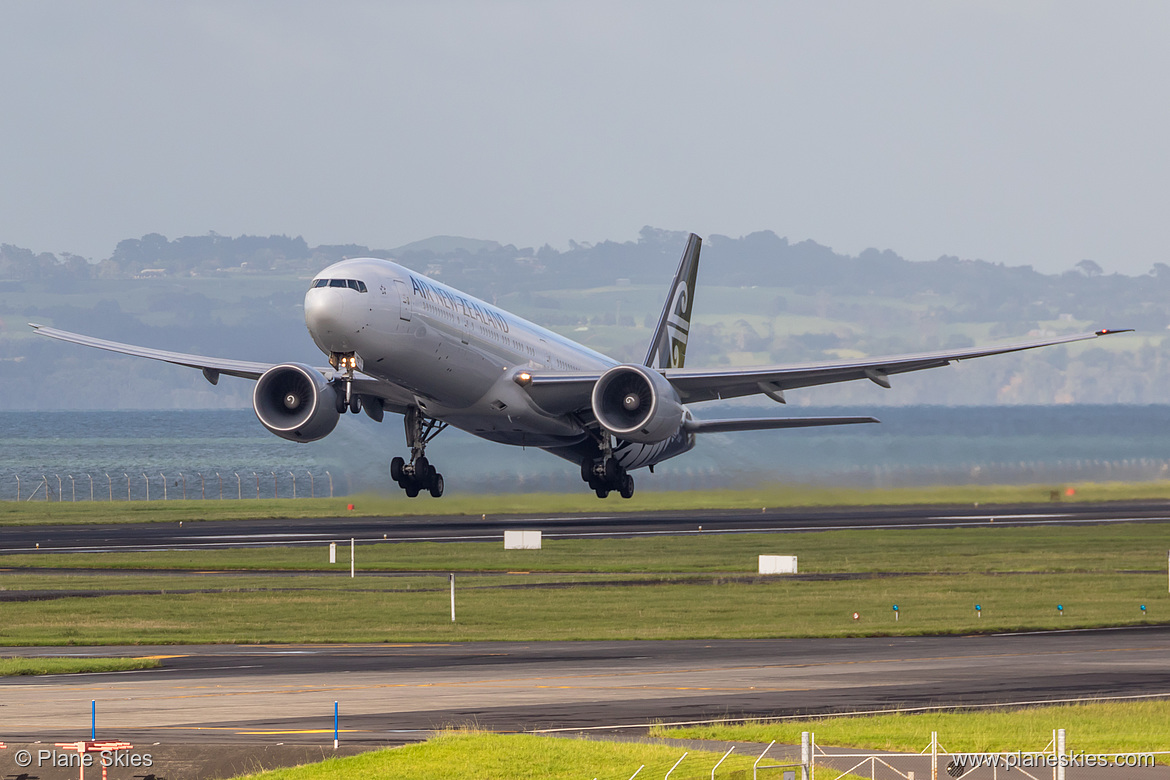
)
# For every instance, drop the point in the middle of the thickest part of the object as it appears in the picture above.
(295, 402)
(637, 404)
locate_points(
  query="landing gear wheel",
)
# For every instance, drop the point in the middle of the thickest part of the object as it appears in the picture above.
(602, 492)
(627, 488)
(355, 404)
(341, 403)
(411, 490)
(613, 471)
(436, 486)
(396, 465)
(587, 471)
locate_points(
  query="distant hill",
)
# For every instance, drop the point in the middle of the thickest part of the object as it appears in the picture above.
(442, 245)
(761, 299)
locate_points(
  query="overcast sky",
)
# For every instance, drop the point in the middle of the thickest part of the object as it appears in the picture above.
(1016, 132)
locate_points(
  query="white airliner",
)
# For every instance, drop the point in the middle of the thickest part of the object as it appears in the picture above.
(398, 341)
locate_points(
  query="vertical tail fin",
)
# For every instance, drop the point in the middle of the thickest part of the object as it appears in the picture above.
(668, 348)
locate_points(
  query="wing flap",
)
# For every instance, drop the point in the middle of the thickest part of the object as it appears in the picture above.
(769, 423)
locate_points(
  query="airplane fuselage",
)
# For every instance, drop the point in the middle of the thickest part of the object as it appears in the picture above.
(456, 355)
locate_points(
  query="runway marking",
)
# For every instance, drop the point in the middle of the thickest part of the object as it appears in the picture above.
(940, 521)
(300, 731)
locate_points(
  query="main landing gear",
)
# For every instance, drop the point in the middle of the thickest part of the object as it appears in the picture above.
(418, 474)
(607, 474)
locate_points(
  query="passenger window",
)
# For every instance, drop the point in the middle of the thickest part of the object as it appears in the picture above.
(337, 283)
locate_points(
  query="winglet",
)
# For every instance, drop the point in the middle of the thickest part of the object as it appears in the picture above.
(668, 347)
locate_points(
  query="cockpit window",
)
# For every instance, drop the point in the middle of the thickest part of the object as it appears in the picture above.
(353, 284)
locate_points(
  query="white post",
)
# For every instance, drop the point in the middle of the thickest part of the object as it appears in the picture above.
(812, 755)
(333, 552)
(294, 480)
(1060, 754)
(452, 576)
(725, 755)
(163, 477)
(934, 755)
(90, 486)
(676, 763)
(330, 483)
(761, 758)
(351, 559)
(804, 756)
(147, 485)
(73, 487)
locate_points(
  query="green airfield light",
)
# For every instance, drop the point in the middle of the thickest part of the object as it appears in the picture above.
(895, 613)
(1060, 608)
(1143, 609)
(978, 611)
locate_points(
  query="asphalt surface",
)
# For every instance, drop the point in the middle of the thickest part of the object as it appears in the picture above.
(130, 537)
(392, 693)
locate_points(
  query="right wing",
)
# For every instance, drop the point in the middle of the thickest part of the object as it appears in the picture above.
(211, 367)
(393, 398)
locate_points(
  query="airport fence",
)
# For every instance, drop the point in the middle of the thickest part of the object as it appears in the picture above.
(1050, 762)
(178, 485)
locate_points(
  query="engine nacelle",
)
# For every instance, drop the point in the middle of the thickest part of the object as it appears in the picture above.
(637, 404)
(295, 402)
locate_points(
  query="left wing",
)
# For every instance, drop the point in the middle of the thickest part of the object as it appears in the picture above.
(560, 393)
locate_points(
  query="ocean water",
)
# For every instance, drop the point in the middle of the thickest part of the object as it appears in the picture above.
(127, 451)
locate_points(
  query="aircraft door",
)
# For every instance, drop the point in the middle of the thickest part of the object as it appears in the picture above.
(404, 297)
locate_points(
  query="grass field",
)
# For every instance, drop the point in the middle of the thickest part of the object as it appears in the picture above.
(1095, 728)
(12, 667)
(33, 512)
(701, 586)
(518, 757)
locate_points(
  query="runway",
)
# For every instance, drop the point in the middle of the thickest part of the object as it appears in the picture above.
(131, 537)
(393, 693)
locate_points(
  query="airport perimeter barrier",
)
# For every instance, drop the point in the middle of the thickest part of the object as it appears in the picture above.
(177, 485)
(1051, 762)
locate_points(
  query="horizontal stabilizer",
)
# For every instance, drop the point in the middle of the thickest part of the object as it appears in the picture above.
(768, 423)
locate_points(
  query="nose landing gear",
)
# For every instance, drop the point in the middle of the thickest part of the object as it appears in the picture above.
(347, 400)
(418, 474)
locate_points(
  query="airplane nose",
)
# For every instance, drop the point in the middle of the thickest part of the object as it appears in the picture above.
(328, 319)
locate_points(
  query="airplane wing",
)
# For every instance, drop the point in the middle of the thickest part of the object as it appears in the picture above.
(211, 367)
(567, 392)
(394, 399)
